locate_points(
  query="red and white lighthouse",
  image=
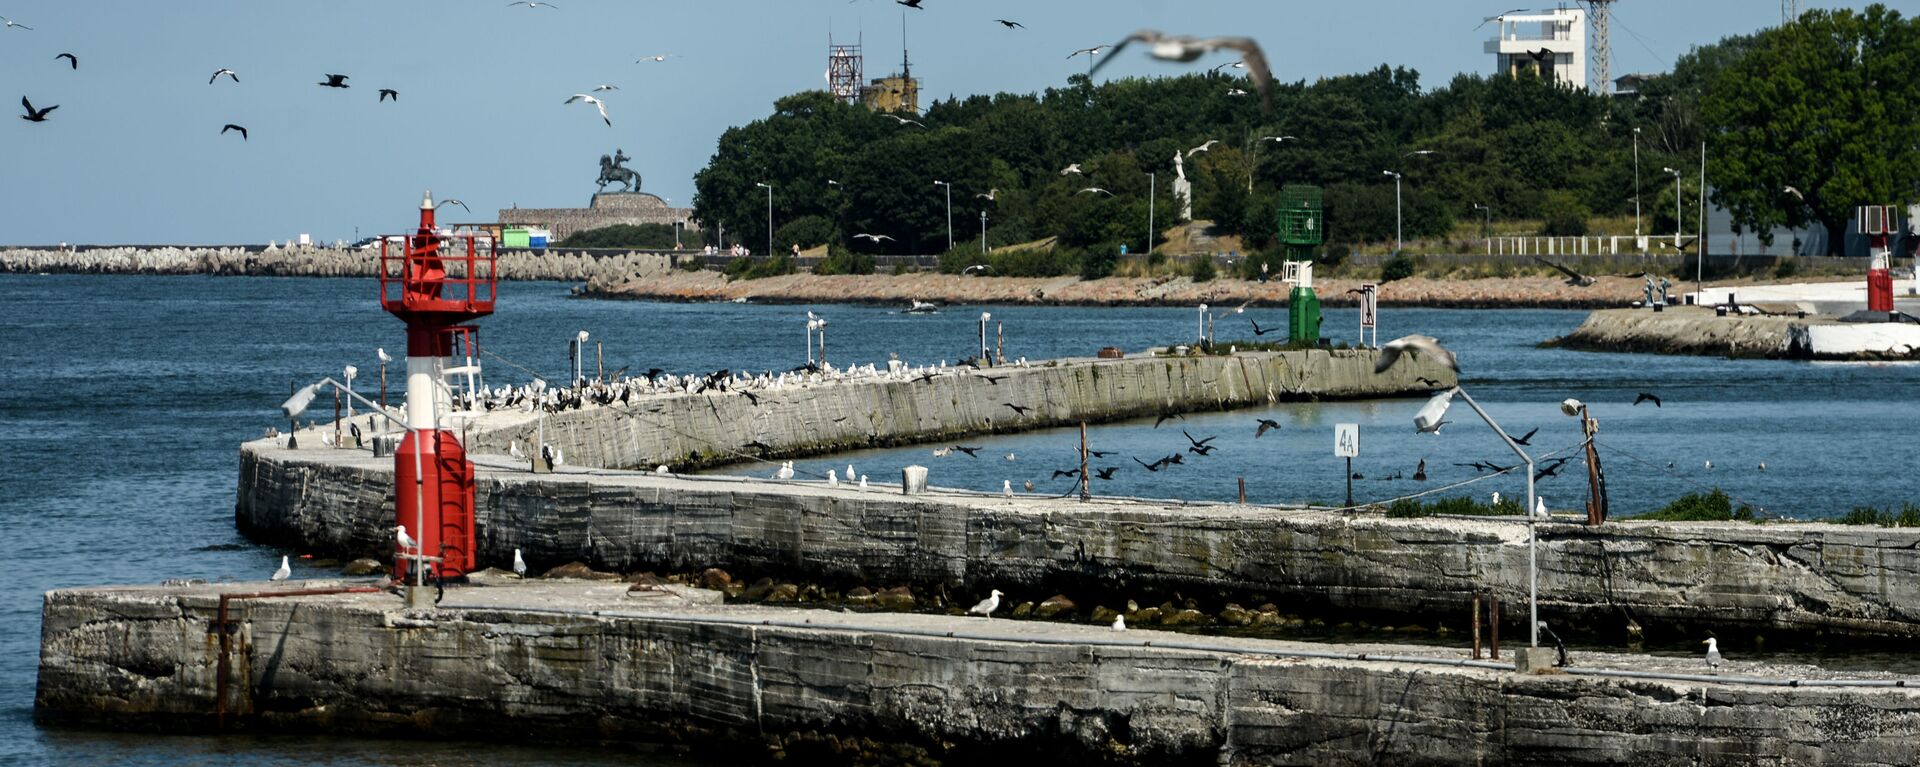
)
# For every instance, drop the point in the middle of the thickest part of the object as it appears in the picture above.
(435, 283)
(1878, 223)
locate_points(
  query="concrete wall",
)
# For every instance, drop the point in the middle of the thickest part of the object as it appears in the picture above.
(607, 209)
(875, 412)
(1689, 330)
(1783, 578)
(897, 688)
(570, 266)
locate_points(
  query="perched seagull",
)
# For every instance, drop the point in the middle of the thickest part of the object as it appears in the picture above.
(71, 59)
(1006, 487)
(389, 93)
(1089, 52)
(1070, 169)
(1203, 147)
(785, 472)
(335, 81)
(532, 4)
(519, 565)
(833, 479)
(874, 237)
(863, 482)
(232, 127)
(903, 120)
(406, 541)
(35, 115)
(1095, 189)
(599, 88)
(598, 104)
(381, 352)
(1713, 652)
(1540, 507)
(850, 474)
(513, 449)
(286, 570)
(988, 605)
(1391, 352)
(1184, 48)
(223, 71)
(1011, 24)
(1120, 622)
(12, 23)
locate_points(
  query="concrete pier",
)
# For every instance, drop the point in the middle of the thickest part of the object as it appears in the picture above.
(555, 661)
(1698, 330)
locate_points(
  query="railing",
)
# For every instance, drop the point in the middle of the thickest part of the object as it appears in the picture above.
(1615, 245)
(442, 278)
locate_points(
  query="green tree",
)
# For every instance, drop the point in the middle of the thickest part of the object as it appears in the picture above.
(1829, 105)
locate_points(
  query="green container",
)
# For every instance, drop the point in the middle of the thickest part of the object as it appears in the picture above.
(514, 238)
(1303, 316)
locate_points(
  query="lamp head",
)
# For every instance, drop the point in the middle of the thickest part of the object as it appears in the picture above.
(351, 372)
(297, 404)
(1434, 411)
(984, 316)
(581, 337)
(1572, 406)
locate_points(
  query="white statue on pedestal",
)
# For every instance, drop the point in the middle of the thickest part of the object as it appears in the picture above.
(1182, 190)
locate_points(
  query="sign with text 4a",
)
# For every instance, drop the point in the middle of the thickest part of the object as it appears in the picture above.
(1369, 305)
(1346, 440)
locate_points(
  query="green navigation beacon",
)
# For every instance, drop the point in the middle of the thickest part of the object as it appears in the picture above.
(1302, 229)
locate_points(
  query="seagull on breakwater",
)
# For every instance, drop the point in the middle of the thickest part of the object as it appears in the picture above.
(833, 480)
(406, 541)
(785, 471)
(223, 71)
(1120, 622)
(863, 482)
(1006, 487)
(1390, 353)
(519, 565)
(1540, 507)
(988, 605)
(1713, 652)
(513, 449)
(597, 104)
(285, 571)
(850, 472)
(661, 470)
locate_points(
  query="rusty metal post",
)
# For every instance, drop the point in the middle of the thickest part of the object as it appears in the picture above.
(336, 418)
(1476, 627)
(1493, 616)
(1596, 479)
(1243, 491)
(599, 362)
(1086, 485)
(1000, 343)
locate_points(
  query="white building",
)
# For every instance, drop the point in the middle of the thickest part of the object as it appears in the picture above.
(1553, 43)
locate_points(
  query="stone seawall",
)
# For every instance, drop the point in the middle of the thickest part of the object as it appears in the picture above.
(686, 431)
(569, 663)
(568, 266)
(1699, 331)
(1669, 577)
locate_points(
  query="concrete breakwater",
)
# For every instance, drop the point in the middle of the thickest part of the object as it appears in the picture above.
(556, 661)
(312, 262)
(692, 430)
(1668, 577)
(1697, 330)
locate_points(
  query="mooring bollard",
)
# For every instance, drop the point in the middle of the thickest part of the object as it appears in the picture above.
(913, 480)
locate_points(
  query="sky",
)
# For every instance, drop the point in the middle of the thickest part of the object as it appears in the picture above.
(134, 154)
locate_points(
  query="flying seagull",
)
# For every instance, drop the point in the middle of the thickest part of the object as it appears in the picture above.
(1203, 147)
(452, 201)
(1259, 331)
(1645, 397)
(286, 569)
(656, 57)
(71, 59)
(991, 194)
(1011, 24)
(1265, 424)
(12, 23)
(914, 4)
(598, 104)
(232, 127)
(1526, 438)
(332, 81)
(519, 564)
(1184, 48)
(1501, 15)
(1421, 152)
(903, 120)
(1089, 52)
(1390, 353)
(1225, 64)
(599, 88)
(1105, 472)
(1095, 189)
(992, 602)
(35, 115)
(1574, 279)
(976, 268)
(1236, 92)
(1070, 169)
(223, 71)
(876, 238)
(389, 93)
(532, 4)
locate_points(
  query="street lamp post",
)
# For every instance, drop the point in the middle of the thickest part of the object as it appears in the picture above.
(1431, 414)
(1636, 187)
(769, 188)
(1153, 184)
(1202, 323)
(1396, 210)
(983, 233)
(984, 318)
(677, 225)
(1486, 230)
(949, 188)
(1677, 226)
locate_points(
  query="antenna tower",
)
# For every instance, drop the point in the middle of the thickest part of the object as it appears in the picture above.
(1789, 10)
(1602, 11)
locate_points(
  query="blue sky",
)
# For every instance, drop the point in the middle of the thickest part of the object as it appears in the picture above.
(134, 153)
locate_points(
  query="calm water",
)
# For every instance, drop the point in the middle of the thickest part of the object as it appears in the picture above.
(124, 398)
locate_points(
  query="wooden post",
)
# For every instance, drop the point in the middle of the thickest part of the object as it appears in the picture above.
(1085, 483)
(1493, 616)
(1476, 627)
(1000, 343)
(600, 362)
(293, 424)
(1243, 491)
(1596, 481)
(336, 417)
(383, 386)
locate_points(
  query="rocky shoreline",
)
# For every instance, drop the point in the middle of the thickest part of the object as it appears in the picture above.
(234, 261)
(1511, 292)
